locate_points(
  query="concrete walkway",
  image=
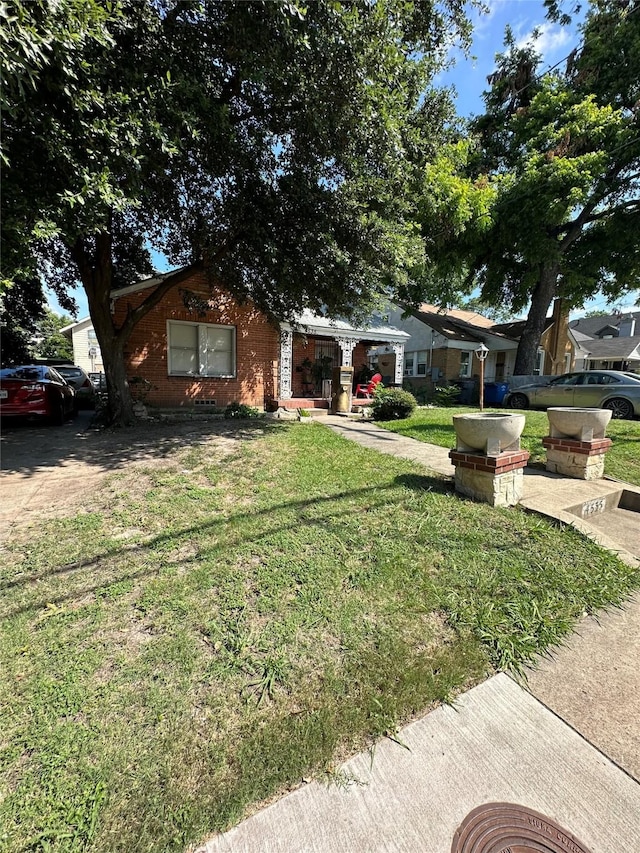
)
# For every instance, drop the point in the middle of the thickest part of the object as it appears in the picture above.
(567, 747)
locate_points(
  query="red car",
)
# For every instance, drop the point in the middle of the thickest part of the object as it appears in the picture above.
(36, 390)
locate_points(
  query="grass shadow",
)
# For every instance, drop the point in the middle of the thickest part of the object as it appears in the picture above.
(425, 483)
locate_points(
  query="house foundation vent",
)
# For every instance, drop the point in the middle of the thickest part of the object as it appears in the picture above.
(204, 402)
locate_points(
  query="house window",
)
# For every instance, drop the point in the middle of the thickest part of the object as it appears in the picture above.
(421, 363)
(201, 349)
(465, 365)
(409, 363)
(539, 366)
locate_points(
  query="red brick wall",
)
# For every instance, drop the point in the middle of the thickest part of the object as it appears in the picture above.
(257, 349)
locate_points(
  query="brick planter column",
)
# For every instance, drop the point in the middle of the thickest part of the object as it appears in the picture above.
(581, 460)
(496, 480)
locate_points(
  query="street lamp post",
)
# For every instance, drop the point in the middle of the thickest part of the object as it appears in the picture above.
(482, 352)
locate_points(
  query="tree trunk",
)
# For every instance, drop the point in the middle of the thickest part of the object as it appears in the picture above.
(541, 300)
(95, 266)
(120, 402)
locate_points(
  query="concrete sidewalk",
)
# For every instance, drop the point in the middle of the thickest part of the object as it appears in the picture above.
(497, 743)
(567, 747)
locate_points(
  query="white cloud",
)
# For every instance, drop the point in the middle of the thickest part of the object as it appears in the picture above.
(550, 41)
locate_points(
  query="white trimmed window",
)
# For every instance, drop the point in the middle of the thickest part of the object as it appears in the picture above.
(539, 366)
(409, 363)
(421, 363)
(201, 349)
(465, 364)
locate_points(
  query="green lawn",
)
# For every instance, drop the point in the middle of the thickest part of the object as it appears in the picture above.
(435, 426)
(234, 618)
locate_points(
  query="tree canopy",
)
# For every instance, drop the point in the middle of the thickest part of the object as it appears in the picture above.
(542, 199)
(271, 142)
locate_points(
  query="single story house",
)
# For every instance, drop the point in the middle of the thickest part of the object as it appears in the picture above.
(609, 342)
(201, 347)
(443, 344)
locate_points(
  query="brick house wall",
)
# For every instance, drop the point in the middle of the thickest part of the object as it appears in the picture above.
(257, 349)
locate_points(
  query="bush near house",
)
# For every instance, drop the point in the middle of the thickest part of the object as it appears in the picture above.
(392, 404)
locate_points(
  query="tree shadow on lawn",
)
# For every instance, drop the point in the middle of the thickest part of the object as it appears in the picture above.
(425, 483)
(376, 499)
(31, 449)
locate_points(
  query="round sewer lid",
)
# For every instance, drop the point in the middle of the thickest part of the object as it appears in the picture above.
(510, 828)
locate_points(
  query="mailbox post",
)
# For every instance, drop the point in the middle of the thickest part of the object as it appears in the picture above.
(341, 385)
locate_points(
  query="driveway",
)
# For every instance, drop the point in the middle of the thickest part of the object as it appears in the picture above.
(49, 471)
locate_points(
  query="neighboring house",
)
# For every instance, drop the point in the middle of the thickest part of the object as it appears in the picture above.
(86, 350)
(199, 347)
(610, 342)
(443, 343)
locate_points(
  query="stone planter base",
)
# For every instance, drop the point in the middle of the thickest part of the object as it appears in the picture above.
(581, 460)
(496, 480)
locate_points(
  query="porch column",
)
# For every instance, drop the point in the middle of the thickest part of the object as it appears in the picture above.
(398, 349)
(347, 345)
(286, 355)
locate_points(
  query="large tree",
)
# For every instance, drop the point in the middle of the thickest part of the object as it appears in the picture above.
(543, 198)
(269, 142)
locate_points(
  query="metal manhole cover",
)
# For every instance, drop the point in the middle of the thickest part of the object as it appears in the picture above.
(509, 828)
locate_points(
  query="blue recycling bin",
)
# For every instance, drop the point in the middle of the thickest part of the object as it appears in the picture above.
(494, 392)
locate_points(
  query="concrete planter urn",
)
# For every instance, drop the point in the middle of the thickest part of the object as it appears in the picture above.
(488, 433)
(580, 424)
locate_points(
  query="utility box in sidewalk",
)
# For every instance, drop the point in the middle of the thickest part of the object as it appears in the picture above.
(341, 385)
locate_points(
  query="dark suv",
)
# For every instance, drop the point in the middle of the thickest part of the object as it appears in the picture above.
(79, 379)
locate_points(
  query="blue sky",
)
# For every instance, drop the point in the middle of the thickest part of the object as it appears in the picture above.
(469, 76)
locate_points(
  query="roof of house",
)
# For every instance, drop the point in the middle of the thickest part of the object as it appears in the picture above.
(448, 326)
(67, 330)
(374, 330)
(602, 324)
(455, 327)
(471, 317)
(610, 348)
(516, 327)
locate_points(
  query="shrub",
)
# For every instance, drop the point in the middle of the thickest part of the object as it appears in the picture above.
(240, 410)
(446, 395)
(392, 404)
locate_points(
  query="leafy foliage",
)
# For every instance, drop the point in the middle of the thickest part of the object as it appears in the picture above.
(542, 200)
(390, 404)
(269, 143)
(49, 342)
(237, 410)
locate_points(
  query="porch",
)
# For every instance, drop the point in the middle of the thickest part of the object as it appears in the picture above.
(318, 406)
(315, 347)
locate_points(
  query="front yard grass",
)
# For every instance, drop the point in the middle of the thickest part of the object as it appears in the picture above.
(435, 426)
(242, 616)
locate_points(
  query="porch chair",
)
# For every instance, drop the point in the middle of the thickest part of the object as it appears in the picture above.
(366, 389)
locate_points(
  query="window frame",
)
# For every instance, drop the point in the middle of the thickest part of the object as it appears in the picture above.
(465, 367)
(424, 362)
(200, 329)
(409, 364)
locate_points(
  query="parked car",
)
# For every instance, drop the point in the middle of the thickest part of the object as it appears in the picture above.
(602, 389)
(36, 390)
(99, 381)
(79, 379)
